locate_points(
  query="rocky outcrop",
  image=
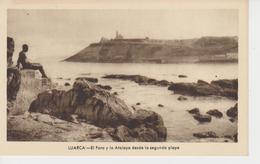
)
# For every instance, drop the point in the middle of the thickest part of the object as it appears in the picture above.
(141, 80)
(13, 74)
(99, 107)
(225, 88)
(157, 51)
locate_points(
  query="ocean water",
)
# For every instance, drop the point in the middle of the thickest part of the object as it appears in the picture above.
(180, 124)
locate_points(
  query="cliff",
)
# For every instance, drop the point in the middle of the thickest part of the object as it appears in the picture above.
(160, 51)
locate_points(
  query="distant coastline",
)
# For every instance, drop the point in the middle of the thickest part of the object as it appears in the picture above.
(146, 50)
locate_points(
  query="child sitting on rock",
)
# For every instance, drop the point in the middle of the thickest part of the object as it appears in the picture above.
(22, 59)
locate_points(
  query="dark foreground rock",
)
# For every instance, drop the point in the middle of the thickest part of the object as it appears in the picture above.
(141, 80)
(225, 88)
(232, 112)
(215, 113)
(100, 108)
(208, 134)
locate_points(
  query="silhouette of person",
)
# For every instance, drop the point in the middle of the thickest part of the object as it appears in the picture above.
(22, 59)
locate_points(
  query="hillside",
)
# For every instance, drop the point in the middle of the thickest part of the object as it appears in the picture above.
(204, 49)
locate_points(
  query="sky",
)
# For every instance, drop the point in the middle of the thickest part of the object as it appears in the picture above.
(60, 33)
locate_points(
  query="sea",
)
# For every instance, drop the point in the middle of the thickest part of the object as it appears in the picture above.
(179, 123)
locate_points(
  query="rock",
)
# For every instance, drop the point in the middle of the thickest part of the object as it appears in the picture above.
(202, 88)
(182, 76)
(232, 112)
(202, 82)
(106, 87)
(138, 103)
(141, 80)
(122, 134)
(59, 78)
(209, 134)
(215, 112)
(67, 84)
(194, 111)
(202, 118)
(90, 79)
(182, 98)
(115, 93)
(102, 109)
(160, 105)
(13, 74)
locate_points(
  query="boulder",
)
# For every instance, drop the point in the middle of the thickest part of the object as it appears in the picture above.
(67, 84)
(208, 134)
(202, 118)
(215, 112)
(160, 105)
(102, 109)
(232, 112)
(194, 111)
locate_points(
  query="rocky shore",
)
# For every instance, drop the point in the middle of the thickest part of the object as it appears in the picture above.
(53, 113)
(88, 109)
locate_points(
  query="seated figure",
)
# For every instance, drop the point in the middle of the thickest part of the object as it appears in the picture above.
(22, 59)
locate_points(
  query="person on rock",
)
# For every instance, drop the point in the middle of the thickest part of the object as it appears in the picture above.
(22, 59)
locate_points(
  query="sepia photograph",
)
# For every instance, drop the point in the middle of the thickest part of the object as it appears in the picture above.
(123, 75)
